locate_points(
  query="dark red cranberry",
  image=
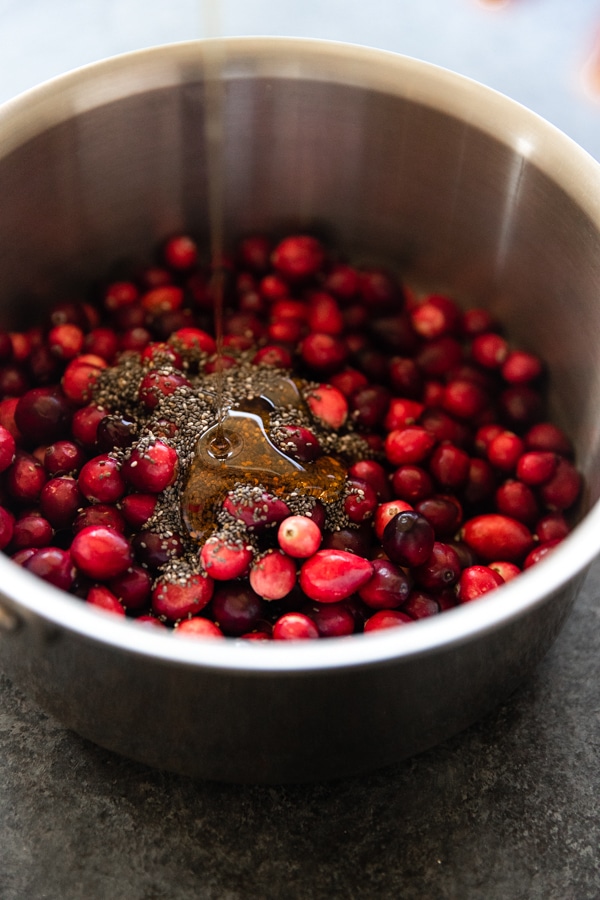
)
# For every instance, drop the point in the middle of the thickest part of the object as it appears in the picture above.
(237, 608)
(441, 570)
(387, 588)
(63, 458)
(115, 431)
(331, 619)
(59, 501)
(405, 376)
(152, 550)
(299, 442)
(31, 530)
(369, 405)
(53, 565)
(25, 478)
(99, 514)
(353, 540)
(411, 483)
(43, 414)
(421, 605)
(408, 539)
(132, 588)
(443, 512)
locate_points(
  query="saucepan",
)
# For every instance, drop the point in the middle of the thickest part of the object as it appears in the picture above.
(398, 162)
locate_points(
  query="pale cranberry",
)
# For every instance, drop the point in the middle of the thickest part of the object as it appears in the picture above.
(273, 575)
(294, 626)
(223, 559)
(299, 536)
(333, 575)
(174, 601)
(101, 553)
(329, 405)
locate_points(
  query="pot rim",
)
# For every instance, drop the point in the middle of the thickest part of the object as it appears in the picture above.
(577, 173)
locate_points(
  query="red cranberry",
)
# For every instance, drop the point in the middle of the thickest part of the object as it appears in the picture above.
(180, 252)
(151, 469)
(237, 608)
(63, 458)
(66, 341)
(412, 483)
(551, 526)
(120, 294)
(548, 437)
(101, 553)
(80, 376)
(157, 385)
(329, 405)
(84, 426)
(489, 350)
(53, 565)
(538, 553)
(197, 627)
(408, 539)
(100, 597)
(294, 626)
(59, 501)
(257, 513)
(224, 559)
(254, 252)
(174, 601)
(379, 288)
(421, 605)
(7, 448)
(438, 357)
(405, 376)
(323, 352)
(516, 499)
(536, 466)
(374, 474)
(13, 381)
(494, 536)
(520, 367)
(387, 588)
(300, 443)
(153, 550)
(132, 588)
(332, 575)
(99, 514)
(100, 480)
(361, 501)
(441, 570)
(137, 509)
(476, 581)
(408, 445)
(298, 257)
(331, 619)
(7, 523)
(31, 530)
(443, 512)
(450, 466)
(102, 342)
(25, 478)
(386, 618)
(504, 451)
(385, 512)
(464, 399)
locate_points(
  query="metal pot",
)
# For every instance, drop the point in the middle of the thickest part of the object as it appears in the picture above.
(397, 161)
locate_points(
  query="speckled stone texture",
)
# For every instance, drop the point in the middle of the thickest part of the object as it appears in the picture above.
(505, 811)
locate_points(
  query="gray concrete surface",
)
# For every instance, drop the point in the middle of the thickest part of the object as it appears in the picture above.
(505, 811)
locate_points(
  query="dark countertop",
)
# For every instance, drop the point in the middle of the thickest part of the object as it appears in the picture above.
(506, 810)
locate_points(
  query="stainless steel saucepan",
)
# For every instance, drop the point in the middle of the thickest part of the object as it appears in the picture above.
(398, 162)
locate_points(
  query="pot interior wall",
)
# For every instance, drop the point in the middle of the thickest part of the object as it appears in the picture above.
(387, 179)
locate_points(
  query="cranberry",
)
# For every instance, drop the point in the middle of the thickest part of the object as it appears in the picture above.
(323, 352)
(7, 522)
(300, 443)
(562, 490)
(152, 469)
(174, 601)
(476, 581)
(137, 509)
(294, 626)
(237, 608)
(401, 412)
(548, 437)
(489, 350)
(100, 480)
(385, 512)
(119, 294)
(379, 289)
(85, 424)
(180, 252)
(464, 399)
(405, 376)
(102, 342)
(132, 588)
(31, 530)
(332, 575)
(443, 512)
(197, 627)
(536, 467)
(299, 536)
(438, 357)
(387, 588)
(412, 483)
(516, 499)
(386, 618)
(520, 367)
(25, 478)
(538, 553)
(421, 605)
(408, 445)
(273, 575)
(53, 565)
(521, 405)
(156, 385)
(13, 381)
(100, 597)
(80, 376)
(494, 536)
(224, 560)
(450, 466)
(504, 451)
(254, 252)
(60, 499)
(361, 501)
(374, 474)
(153, 550)
(408, 539)
(298, 257)
(331, 619)
(506, 570)
(7, 448)
(329, 405)
(63, 458)
(441, 570)
(476, 321)
(553, 525)
(43, 414)
(435, 317)
(66, 341)
(99, 514)
(369, 405)
(355, 540)
(257, 512)
(101, 553)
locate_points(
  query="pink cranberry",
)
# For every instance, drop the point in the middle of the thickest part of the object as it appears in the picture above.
(100, 480)
(329, 405)
(151, 469)
(476, 581)
(174, 601)
(332, 575)
(299, 536)
(101, 553)
(53, 565)
(273, 575)
(294, 626)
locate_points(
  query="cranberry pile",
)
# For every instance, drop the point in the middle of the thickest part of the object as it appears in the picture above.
(453, 481)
